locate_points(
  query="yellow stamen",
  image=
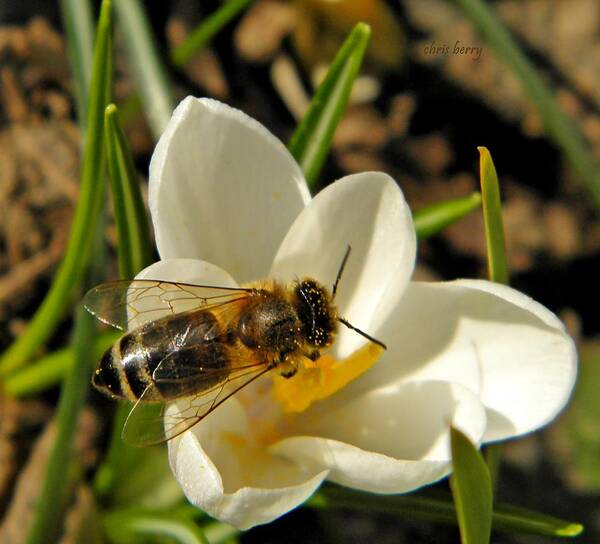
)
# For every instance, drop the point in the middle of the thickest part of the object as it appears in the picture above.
(322, 378)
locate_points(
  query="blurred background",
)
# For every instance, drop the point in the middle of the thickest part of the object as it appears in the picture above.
(429, 93)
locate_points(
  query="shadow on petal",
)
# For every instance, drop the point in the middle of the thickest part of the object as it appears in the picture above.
(225, 472)
(405, 421)
(499, 343)
(215, 177)
(368, 212)
(391, 442)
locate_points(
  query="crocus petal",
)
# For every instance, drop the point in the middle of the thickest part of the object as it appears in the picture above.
(494, 340)
(423, 343)
(528, 361)
(368, 212)
(222, 189)
(187, 271)
(223, 471)
(391, 440)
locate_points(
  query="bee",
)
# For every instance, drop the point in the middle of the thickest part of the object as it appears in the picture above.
(205, 344)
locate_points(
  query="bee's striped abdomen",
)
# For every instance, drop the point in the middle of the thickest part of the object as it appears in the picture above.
(107, 377)
(127, 368)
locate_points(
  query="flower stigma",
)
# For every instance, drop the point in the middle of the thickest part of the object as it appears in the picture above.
(322, 378)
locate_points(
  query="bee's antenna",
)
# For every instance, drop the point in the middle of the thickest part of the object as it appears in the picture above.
(362, 333)
(339, 274)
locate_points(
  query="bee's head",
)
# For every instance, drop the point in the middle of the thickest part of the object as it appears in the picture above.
(314, 307)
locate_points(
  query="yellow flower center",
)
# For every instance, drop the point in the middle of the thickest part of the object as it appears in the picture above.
(320, 379)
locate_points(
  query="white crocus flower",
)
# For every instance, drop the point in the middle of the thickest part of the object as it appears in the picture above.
(230, 205)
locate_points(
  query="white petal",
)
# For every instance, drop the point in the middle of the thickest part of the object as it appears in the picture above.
(226, 473)
(488, 337)
(176, 270)
(187, 271)
(423, 344)
(368, 212)
(223, 189)
(390, 440)
(528, 361)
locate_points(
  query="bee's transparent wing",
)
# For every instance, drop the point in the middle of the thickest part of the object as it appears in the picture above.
(151, 423)
(130, 303)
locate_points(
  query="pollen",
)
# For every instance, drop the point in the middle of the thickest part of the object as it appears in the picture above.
(322, 378)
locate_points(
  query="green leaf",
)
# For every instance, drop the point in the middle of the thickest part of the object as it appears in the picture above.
(206, 31)
(492, 453)
(220, 533)
(138, 477)
(49, 370)
(55, 490)
(135, 525)
(472, 490)
(578, 430)
(496, 256)
(79, 28)
(150, 74)
(434, 506)
(79, 249)
(559, 127)
(311, 141)
(435, 218)
(134, 248)
(53, 496)
(131, 475)
(515, 519)
(492, 214)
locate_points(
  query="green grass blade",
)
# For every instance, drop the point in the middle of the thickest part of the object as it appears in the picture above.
(497, 262)
(51, 502)
(472, 490)
(48, 371)
(220, 533)
(435, 218)
(206, 31)
(492, 214)
(79, 28)
(148, 69)
(510, 518)
(130, 474)
(87, 213)
(135, 247)
(560, 128)
(134, 477)
(52, 498)
(128, 526)
(311, 141)
(438, 507)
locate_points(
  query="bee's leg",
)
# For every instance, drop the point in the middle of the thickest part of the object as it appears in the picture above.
(287, 366)
(314, 355)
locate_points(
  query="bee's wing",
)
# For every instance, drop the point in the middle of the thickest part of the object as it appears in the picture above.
(151, 423)
(129, 303)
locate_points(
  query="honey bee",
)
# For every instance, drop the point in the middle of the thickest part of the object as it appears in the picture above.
(212, 342)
